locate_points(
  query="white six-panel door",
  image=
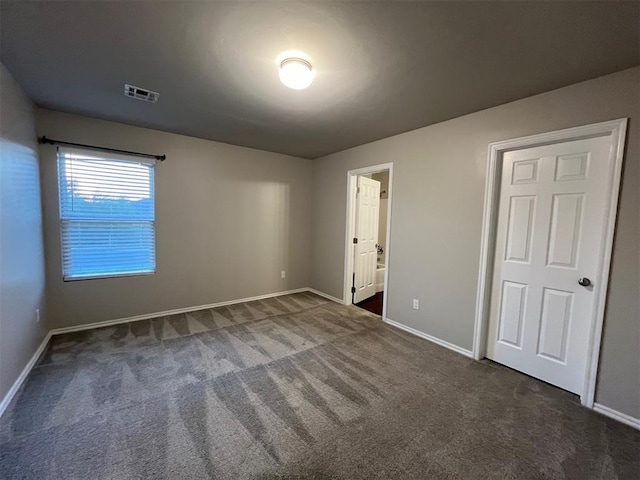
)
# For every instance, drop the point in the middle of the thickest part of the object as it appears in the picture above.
(366, 252)
(549, 234)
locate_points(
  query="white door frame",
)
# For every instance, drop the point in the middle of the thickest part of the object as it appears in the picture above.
(351, 226)
(616, 129)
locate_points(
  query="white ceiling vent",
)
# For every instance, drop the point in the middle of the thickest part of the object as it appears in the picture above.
(141, 93)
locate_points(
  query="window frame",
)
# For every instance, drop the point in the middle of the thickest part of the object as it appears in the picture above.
(99, 155)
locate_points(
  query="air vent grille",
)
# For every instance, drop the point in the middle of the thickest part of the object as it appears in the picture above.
(141, 93)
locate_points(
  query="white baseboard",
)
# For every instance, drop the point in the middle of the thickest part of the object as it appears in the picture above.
(619, 416)
(175, 311)
(23, 375)
(442, 343)
(326, 295)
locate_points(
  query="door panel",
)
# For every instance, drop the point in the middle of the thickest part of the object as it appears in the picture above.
(514, 297)
(549, 234)
(572, 167)
(525, 171)
(564, 235)
(554, 325)
(366, 252)
(520, 228)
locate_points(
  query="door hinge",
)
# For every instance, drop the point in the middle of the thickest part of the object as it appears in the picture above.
(355, 240)
(353, 289)
(357, 190)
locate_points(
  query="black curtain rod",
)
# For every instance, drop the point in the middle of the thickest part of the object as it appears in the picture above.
(161, 158)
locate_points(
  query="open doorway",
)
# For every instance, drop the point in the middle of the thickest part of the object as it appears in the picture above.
(369, 195)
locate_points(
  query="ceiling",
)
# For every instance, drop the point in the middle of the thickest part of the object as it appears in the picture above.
(382, 68)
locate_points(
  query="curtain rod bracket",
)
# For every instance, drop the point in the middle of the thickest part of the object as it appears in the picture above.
(49, 141)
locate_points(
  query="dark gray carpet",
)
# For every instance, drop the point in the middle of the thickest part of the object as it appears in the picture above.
(294, 387)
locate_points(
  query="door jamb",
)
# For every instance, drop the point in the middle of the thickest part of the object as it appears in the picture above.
(350, 231)
(616, 129)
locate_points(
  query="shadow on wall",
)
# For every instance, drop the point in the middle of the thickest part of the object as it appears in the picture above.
(268, 237)
(255, 224)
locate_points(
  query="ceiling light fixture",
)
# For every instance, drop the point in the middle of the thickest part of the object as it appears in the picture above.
(296, 73)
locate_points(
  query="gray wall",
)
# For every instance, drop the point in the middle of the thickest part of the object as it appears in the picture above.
(436, 219)
(21, 250)
(228, 220)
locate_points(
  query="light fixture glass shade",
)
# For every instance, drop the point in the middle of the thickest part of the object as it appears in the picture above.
(296, 73)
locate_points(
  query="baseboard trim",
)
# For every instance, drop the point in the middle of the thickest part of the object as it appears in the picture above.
(326, 295)
(436, 340)
(23, 375)
(616, 415)
(175, 311)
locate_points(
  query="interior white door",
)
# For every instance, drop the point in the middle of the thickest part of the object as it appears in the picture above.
(549, 236)
(366, 250)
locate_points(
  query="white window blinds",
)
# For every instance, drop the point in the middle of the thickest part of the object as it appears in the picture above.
(107, 214)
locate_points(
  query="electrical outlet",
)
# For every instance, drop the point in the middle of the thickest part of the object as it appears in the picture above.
(283, 274)
(37, 315)
(416, 304)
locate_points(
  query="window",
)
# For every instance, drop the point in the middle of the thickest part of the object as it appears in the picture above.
(107, 214)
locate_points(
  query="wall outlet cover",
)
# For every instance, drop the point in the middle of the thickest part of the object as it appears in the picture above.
(416, 304)
(283, 274)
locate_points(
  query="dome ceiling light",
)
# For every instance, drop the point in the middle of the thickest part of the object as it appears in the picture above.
(296, 73)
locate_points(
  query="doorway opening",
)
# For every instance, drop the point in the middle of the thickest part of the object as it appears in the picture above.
(367, 242)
